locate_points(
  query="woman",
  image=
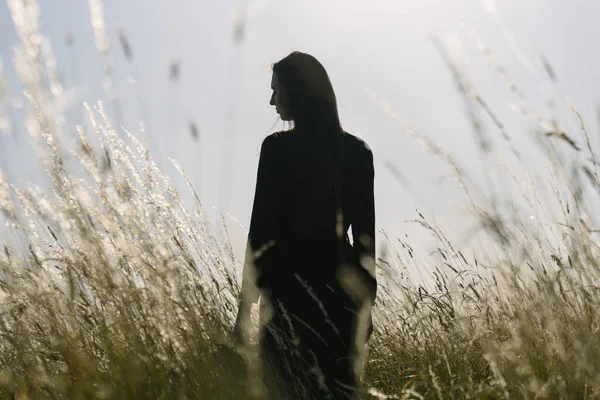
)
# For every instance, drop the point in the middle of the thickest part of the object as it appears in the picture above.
(316, 289)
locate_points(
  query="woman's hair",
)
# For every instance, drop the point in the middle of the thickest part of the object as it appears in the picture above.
(310, 94)
(313, 107)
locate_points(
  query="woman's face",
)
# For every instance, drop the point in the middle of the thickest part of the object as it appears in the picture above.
(279, 99)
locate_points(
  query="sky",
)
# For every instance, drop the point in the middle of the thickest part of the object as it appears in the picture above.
(391, 82)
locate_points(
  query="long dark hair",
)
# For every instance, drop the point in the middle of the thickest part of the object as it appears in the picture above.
(310, 94)
(313, 106)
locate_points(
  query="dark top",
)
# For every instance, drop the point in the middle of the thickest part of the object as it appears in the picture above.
(298, 190)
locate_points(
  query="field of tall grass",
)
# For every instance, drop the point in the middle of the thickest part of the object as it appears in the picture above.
(124, 293)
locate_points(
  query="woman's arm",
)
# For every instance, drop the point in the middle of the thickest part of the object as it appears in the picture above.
(363, 224)
(262, 232)
(262, 221)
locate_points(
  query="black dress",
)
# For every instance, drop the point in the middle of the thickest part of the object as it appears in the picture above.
(316, 288)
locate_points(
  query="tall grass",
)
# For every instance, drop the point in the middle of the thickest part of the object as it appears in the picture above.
(125, 293)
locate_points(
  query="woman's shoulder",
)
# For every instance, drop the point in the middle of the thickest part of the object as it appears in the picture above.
(279, 138)
(276, 136)
(272, 144)
(358, 144)
(273, 138)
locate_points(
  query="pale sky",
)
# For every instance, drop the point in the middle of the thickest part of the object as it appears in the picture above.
(380, 56)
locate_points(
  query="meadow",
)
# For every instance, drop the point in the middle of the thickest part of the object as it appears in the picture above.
(116, 290)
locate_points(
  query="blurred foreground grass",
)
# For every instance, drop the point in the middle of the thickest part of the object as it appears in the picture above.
(125, 293)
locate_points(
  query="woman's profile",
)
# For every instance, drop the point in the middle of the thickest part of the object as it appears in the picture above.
(316, 289)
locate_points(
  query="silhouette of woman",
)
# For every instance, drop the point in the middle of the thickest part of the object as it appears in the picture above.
(316, 289)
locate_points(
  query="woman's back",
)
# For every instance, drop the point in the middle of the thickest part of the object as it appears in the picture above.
(305, 187)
